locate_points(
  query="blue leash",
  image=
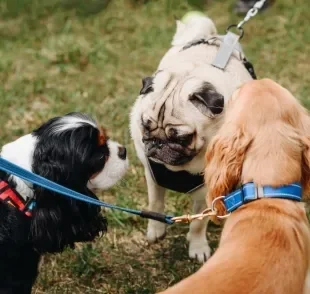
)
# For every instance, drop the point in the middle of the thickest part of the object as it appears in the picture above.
(26, 175)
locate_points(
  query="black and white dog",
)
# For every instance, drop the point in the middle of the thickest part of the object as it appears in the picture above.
(74, 152)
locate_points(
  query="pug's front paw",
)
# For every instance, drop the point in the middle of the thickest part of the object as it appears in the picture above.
(199, 249)
(155, 231)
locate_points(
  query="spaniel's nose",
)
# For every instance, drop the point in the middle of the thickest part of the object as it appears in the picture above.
(122, 152)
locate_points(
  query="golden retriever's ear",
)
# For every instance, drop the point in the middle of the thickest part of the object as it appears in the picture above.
(306, 167)
(224, 160)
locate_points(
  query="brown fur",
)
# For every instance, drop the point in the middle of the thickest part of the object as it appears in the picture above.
(265, 245)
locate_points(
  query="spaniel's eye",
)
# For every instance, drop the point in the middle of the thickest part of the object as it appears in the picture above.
(147, 85)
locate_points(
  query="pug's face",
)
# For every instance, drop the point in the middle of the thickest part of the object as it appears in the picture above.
(177, 116)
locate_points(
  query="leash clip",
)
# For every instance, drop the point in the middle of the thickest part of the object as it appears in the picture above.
(187, 218)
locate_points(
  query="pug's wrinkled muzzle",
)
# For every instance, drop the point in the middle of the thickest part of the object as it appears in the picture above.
(167, 152)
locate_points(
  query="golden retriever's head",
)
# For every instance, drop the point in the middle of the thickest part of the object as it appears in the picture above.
(265, 138)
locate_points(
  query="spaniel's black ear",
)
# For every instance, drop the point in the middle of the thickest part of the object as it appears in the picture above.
(147, 85)
(58, 222)
(208, 100)
(48, 223)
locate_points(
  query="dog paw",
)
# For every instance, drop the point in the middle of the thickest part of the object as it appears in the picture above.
(155, 231)
(200, 250)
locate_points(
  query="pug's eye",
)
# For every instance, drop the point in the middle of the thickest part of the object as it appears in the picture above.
(147, 86)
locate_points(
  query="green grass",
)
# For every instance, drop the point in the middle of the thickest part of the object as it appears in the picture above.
(58, 56)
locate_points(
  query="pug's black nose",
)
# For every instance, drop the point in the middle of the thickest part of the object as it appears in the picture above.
(122, 153)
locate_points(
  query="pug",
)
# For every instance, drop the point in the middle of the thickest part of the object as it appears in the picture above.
(178, 111)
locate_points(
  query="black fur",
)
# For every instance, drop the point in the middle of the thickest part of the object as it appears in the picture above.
(147, 86)
(196, 43)
(69, 158)
(18, 259)
(208, 99)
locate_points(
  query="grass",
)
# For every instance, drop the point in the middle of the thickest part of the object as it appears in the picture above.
(58, 56)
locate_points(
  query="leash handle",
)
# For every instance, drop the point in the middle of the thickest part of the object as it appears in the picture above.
(157, 216)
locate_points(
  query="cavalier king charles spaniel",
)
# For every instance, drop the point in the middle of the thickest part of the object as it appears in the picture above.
(265, 243)
(74, 152)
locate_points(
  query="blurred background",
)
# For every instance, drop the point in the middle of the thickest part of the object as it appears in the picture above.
(58, 56)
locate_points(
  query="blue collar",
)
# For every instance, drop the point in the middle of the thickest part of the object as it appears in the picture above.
(249, 192)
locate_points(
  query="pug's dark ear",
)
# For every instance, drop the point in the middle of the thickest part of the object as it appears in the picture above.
(147, 85)
(208, 100)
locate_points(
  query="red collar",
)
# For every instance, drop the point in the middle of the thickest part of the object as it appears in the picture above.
(12, 197)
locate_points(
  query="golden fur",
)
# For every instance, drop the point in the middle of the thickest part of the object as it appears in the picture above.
(265, 244)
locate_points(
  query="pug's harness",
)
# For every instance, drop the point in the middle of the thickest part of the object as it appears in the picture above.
(179, 181)
(229, 47)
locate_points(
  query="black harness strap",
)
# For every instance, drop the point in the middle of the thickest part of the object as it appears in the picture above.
(248, 65)
(179, 181)
(250, 68)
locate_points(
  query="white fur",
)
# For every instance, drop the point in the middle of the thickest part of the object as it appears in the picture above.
(179, 72)
(113, 171)
(197, 27)
(71, 122)
(20, 152)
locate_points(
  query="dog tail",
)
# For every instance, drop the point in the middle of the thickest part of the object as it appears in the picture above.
(193, 26)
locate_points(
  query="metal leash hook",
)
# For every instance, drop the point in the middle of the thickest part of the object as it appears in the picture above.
(187, 218)
(231, 40)
(241, 30)
(251, 13)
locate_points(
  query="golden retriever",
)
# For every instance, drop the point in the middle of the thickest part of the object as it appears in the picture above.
(265, 244)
